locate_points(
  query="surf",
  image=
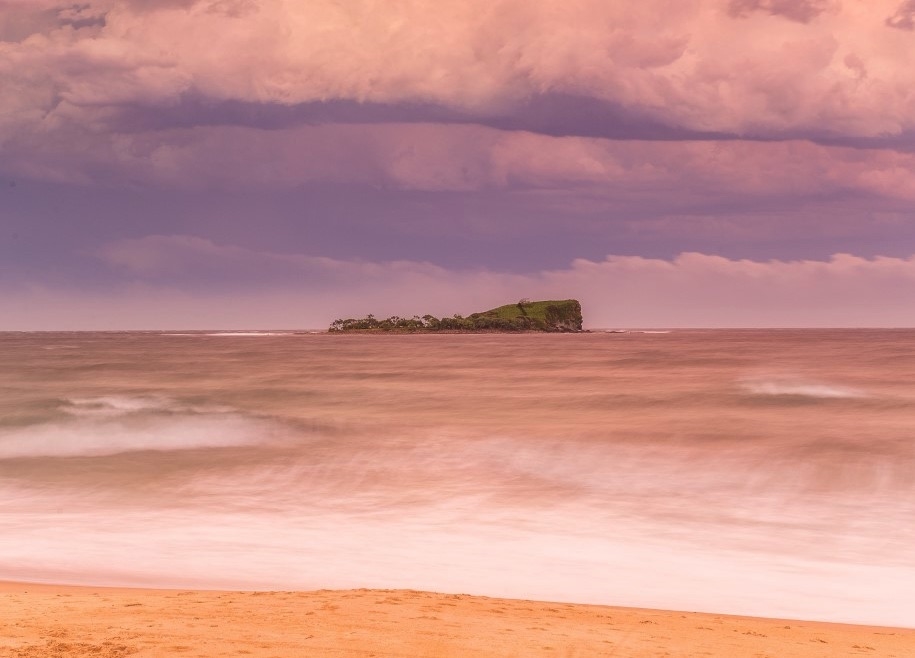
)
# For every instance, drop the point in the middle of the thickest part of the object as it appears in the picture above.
(115, 424)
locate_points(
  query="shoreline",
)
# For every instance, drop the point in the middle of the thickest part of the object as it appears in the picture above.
(38, 619)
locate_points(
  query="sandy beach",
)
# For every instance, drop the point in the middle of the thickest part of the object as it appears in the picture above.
(54, 621)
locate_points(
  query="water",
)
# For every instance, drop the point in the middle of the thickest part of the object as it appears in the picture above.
(767, 473)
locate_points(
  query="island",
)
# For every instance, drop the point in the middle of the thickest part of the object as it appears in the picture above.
(554, 316)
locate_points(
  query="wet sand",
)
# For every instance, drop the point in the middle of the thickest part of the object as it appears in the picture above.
(49, 621)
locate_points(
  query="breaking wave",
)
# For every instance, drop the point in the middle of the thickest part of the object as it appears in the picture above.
(801, 389)
(112, 425)
(125, 405)
(249, 333)
(230, 333)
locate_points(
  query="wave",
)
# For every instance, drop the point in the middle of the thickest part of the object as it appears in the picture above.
(249, 333)
(231, 333)
(782, 387)
(124, 405)
(112, 425)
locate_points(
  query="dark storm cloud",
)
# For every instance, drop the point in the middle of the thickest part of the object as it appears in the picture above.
(552, 114)
(194, 110)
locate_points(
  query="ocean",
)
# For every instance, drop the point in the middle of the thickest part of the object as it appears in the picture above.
(756, 472)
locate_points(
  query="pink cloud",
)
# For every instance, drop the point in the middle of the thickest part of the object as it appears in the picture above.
(180, 257)
(691, 290)
(796, 10)
(904, 18)
(704, 290)
(442, 157)
(703, 65)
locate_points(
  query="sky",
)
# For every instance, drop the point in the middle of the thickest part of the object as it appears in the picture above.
(171, 164)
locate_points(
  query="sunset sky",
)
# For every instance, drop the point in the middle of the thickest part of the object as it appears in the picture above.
(282, 163)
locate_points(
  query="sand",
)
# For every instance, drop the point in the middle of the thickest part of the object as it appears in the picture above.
(56, 621)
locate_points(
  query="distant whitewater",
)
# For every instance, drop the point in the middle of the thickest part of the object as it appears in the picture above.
(766, 473)
(800, 388)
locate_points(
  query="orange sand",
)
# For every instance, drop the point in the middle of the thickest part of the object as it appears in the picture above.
(54, 621)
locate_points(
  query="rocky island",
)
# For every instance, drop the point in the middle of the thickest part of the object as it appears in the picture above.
(540, 316)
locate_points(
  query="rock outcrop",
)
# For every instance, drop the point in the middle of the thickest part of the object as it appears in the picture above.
(548, 316)
(551, 315)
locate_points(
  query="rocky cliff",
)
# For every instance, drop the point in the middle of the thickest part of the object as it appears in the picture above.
(525, 315)
(550, 315)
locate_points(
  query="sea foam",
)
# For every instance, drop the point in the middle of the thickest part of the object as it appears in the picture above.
(785, 387)
(126, 405)
(248, 333)
(112, 425)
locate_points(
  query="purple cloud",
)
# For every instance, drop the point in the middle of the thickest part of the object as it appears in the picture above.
(194, 147)
(904, 18)
(619, 291)
(802, 11)
(599, 69)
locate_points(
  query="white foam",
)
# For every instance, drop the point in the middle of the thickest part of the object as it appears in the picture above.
(799, 388)
(117, 424)
(124, 405)
(249, 333)
(439, 550)
(445, 514)
(229, 333)
(113, 405)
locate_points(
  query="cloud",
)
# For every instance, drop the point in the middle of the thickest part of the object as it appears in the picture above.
(802, 11)
(163, 275)
(198, 262)
(705, 290)
(655, 68)
(182, 255)
(904, 18)
(649, 127)
(445, 157)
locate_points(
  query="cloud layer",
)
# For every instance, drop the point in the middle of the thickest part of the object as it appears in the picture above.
(762, 67)
(382, 145)
(270, 290)
(470, 95)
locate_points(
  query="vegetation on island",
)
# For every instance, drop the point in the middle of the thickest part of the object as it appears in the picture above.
(525, 315)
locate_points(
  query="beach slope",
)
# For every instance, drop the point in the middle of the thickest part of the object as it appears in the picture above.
(57, 621)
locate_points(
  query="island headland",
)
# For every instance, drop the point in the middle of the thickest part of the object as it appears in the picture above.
(552, 316)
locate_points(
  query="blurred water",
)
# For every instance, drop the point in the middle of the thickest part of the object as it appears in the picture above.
(751, 472)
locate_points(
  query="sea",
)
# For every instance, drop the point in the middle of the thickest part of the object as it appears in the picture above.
(754, 472)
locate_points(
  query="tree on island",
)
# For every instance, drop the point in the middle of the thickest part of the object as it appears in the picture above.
(525, 315)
